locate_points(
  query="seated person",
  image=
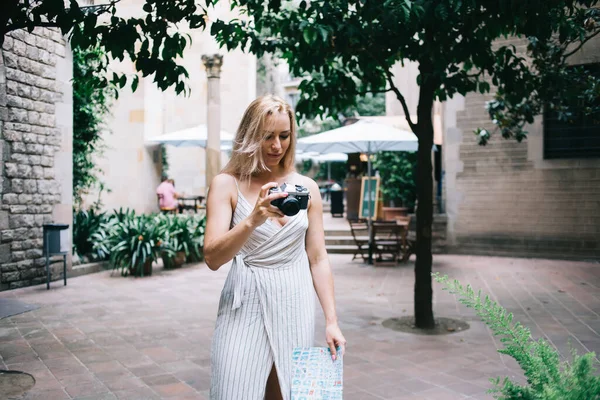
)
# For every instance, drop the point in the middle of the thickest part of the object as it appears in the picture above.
(167, 196)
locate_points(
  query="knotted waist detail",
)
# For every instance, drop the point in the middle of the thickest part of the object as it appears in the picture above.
(241, 261)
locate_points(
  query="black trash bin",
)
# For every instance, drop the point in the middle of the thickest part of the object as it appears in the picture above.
(337, 200)
(54, 246)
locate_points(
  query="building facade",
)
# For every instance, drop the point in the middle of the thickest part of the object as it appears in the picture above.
(510, 198)
(131, 166)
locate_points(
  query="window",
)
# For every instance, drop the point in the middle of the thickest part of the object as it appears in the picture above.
(577, 139)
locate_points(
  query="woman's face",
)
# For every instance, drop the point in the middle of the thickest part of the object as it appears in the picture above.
(277, 139)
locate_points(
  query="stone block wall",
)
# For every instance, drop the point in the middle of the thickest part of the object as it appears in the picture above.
(506, 199)
(35, 133)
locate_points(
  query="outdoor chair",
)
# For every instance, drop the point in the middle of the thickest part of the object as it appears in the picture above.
(387, 242)
(360, 232)
(409, 238)
(165, 210)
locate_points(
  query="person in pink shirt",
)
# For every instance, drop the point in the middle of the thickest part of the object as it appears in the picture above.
(167, 196)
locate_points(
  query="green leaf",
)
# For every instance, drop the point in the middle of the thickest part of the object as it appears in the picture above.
(310, 35)
(134, 83)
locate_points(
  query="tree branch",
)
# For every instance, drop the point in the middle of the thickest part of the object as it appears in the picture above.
(400, 97)
(393, 88)
(565, 56)
(98, 9)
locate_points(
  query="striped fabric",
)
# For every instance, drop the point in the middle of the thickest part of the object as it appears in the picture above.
(267, 308)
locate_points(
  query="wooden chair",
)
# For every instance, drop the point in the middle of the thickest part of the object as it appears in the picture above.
(360, 232)
(409, 238)
(165, 210)
(387, 242)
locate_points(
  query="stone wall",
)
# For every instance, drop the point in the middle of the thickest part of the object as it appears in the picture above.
(36, 149)
(506, 199)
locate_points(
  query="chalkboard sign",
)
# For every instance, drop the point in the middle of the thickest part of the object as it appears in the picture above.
(365, 211)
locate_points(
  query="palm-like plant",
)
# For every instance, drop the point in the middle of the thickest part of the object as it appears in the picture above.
(197, 228)
(137, 244)
(184, 236)
(85, 224)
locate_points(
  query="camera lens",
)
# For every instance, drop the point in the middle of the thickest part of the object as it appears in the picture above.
(290, 206)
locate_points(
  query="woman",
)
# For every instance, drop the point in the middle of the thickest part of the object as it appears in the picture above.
(267, 304)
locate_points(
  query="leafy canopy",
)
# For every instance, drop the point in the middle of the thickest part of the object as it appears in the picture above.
(151, 38)
(349, 47)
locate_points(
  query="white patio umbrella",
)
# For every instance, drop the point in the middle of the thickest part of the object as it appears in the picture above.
(192, 137)
(318, 157)
(361, 137)
(313, 155)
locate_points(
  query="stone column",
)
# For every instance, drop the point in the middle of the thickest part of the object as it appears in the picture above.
(213, 65)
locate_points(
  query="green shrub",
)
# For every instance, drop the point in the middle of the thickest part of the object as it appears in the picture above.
(103, 238)
(133, 242)
(197, 229)
(136, 244)
(86, 223)
(123, 215)
(547, 377)
(397, 171)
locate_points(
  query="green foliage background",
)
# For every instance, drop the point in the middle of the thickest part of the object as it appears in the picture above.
(398, 176)
(90, 108)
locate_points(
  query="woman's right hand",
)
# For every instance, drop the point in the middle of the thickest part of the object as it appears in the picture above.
(263, 208)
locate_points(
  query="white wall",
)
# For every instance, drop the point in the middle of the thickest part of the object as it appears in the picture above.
(132, 168)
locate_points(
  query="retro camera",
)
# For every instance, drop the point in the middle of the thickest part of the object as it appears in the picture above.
(296, 200)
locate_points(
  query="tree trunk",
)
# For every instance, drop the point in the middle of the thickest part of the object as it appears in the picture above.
(424, 131)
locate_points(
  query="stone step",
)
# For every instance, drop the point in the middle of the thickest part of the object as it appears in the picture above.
(341, 240)
(337, 232)
(340, 249)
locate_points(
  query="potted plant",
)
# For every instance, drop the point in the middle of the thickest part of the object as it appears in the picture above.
(173, 231)
(137, 245)
(184, 236)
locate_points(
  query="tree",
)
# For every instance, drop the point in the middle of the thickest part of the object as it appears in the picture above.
(348, 48)
(152, 40)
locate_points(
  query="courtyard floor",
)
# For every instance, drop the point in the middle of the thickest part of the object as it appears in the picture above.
(108, 337)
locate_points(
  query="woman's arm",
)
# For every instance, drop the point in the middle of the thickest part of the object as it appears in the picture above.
(321, 269)
(221, 244)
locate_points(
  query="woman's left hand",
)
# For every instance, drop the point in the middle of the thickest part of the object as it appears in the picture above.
(335, 339)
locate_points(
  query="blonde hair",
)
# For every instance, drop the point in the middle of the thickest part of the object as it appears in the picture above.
(246, 158)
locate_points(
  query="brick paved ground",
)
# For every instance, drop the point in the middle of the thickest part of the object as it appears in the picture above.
(104, 337)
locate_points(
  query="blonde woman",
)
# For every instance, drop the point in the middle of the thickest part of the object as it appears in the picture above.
(267, 304)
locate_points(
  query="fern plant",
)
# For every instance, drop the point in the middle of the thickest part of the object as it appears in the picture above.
(547, 377)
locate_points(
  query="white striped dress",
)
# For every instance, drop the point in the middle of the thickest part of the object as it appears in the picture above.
(267, 308)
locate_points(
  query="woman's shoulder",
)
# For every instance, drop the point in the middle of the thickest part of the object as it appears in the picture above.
(224, 181)
(306, 181)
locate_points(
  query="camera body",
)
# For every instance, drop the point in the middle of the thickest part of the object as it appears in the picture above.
(296, 200)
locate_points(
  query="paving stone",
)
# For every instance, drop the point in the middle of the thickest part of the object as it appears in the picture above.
(130, 345)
